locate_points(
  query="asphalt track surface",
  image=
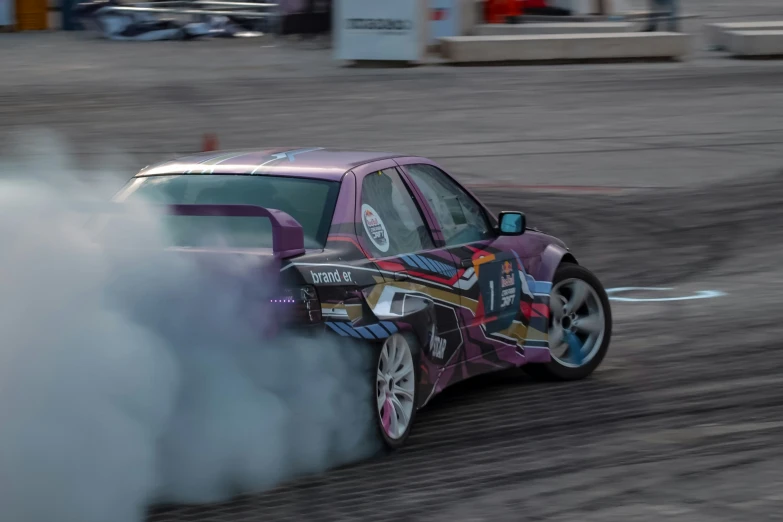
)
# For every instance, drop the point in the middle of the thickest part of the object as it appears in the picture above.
(684, 165)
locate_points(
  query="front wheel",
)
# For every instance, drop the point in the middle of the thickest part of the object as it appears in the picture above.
(395, 388)
(580, 325)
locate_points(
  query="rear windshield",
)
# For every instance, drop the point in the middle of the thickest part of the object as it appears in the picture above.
(310, 201)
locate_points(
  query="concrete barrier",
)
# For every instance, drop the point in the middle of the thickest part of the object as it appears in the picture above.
(758, 44)
(718, 34)
(560, 28)
(566, 47)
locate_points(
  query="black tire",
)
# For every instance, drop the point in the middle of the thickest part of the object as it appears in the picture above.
(554, 370)
(415, 351)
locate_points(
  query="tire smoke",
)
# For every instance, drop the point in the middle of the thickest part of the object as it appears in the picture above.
(129, 376)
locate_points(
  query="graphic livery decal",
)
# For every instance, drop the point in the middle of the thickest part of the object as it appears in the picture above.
(430, 265)
(472, 320)
(376, 331)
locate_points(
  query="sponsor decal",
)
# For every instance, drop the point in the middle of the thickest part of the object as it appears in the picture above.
(376, 230)
(507, 269)
(500, 287)
(437, 347)
(330, 277)
(507, 277)
(378, 24)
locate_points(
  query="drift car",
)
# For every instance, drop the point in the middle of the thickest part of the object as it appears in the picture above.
(392, 251)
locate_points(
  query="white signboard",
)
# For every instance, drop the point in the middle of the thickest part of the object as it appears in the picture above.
(393, 30)
(7, 16)
(445, 19)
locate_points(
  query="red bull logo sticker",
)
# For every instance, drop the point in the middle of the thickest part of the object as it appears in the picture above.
(507, 277)
(376, 230)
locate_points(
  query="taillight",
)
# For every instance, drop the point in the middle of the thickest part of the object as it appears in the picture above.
(299, 304)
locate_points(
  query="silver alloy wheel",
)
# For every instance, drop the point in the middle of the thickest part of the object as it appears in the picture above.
(578, 323)
(395, 385)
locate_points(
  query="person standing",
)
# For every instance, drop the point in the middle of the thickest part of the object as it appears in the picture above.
(661, 10)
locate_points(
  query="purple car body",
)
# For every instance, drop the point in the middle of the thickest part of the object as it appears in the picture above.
(373, 245)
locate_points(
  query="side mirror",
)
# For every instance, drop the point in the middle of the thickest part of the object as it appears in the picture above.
(511, 223)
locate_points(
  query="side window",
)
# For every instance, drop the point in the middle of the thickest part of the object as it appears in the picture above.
(390, 220)
(460, 217)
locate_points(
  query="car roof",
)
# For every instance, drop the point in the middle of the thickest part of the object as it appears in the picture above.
(308, 162)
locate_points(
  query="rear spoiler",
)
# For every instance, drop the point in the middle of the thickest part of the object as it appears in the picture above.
(287, 233)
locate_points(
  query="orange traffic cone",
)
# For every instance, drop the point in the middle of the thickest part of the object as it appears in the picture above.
(209, 143)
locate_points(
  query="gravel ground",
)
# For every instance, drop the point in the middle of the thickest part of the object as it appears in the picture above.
(682, 422)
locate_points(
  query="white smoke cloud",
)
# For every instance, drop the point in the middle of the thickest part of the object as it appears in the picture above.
(129, 376)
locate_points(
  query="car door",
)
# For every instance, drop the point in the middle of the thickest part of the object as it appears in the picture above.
(396, 233)
(494, 285)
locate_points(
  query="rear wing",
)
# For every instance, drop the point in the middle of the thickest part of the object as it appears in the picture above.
(287, 233)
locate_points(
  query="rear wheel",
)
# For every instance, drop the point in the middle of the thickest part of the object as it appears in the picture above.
(580, 325)
(395, 388)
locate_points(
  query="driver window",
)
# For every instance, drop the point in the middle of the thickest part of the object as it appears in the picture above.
(390, 222)
(461, 219)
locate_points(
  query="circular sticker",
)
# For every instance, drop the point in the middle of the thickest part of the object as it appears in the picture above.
(375, 228)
